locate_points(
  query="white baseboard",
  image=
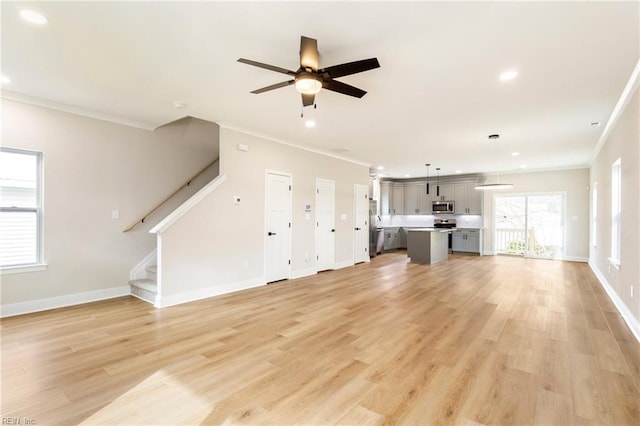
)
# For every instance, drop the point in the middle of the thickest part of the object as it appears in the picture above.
(488, 253)
(303, 273)
(628, 317)
(576, 259)
(38, 305)
(203, 293)
(343, 264)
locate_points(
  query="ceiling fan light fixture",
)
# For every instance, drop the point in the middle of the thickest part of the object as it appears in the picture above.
(308, 84)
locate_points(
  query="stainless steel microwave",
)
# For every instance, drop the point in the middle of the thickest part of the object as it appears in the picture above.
(442, 207)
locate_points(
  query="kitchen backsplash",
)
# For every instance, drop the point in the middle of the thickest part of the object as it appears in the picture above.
(462, 220)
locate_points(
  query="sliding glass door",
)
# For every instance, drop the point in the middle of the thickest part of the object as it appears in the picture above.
(529, 225)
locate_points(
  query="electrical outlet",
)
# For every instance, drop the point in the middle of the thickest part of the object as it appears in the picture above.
(306, 257)
(631, 290)
(115, 214)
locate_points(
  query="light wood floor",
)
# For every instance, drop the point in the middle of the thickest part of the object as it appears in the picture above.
(475, 340)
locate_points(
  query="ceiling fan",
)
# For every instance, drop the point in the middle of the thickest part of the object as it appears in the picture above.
(309, 79)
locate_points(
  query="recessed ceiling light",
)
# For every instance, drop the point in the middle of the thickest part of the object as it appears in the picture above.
(595, 124)
(310, 123)
(515, 154)
(458, 171)
(523, 166)
(407, 175)
(5, 80)
(33, 17)
(178, 104)
(508, 75)
(380, 167)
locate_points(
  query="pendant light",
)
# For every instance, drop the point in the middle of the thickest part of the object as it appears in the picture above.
(438, 182)
(497, 184)
(428, 165)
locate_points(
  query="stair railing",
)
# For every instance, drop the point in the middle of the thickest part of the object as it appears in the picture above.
(184, 185)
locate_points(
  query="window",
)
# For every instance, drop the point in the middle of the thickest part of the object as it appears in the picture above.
(20, 208)
(594, 215)
(616, 207)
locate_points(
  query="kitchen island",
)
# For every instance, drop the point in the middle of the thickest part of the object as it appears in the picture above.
(427, 245)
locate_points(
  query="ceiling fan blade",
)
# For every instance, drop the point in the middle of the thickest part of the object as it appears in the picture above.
(345, 89)
(266, 66)
(308, 100)
(309, 53)
(274, 86)
(351, 68)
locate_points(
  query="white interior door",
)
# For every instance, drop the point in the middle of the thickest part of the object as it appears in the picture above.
(325, 224)
(278, 226)
(361, 224)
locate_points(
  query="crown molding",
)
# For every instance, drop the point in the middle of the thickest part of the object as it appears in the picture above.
(625, 97)
(84, 112)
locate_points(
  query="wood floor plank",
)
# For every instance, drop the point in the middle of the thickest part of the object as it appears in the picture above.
(470, 341)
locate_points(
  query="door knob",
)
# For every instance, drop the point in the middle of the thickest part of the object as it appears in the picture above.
(333, 230)
(271, 233)
(357, 229)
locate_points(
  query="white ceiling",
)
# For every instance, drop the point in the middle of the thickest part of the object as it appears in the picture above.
(435, 98)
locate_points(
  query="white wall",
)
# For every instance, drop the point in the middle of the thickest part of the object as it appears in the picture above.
(574, 183)
(624, 143)
(205, 253)
(90, 168)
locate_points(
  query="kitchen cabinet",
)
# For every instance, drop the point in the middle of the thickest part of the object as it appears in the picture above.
(468, 200)
(397, 198)
(385, 198)
(410, 198)
(446, 192)
(402, 238)
(424, 200)
(466, 240)
(474, 200)
(391, 239)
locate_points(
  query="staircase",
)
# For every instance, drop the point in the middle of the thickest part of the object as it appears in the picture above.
(146, 288)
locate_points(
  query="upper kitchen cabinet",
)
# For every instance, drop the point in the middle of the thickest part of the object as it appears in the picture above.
(410, 198)
(424, 199)
(385, 197)
(397, 198)
(446, 192)
(468, 200)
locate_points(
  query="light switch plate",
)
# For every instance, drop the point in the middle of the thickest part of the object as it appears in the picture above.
(115, 214)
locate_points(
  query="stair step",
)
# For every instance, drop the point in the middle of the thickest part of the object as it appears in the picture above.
(145, 284)
(152, 272)
(145, 289)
